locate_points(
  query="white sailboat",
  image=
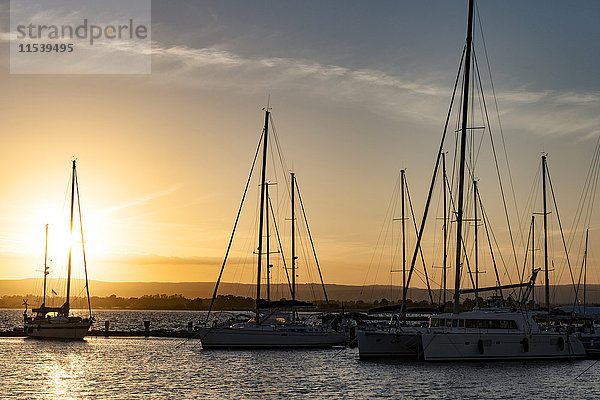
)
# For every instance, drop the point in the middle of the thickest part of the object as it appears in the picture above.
(55, 322)
(495, 334)
(275, 323)
(479, 334)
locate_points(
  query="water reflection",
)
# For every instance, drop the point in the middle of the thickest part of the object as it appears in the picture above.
(159, 368)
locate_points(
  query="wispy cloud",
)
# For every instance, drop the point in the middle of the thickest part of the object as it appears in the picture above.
(139, 201)
(411, 95)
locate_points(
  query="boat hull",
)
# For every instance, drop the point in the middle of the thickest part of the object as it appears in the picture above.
(268, 338)
(396, 344)
(450, 346)
(64, 330)
(591, 343)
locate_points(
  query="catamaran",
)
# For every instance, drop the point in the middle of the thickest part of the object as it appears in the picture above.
(275, 324)
(55, 322)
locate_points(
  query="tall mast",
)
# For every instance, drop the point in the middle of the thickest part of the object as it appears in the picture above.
(463, 140)
(533, 260)
(262, 209)
(45, 264)
(445, 266)
(70, 238)
(402, 184)
(293, 190)
(476, 247)
(87, 285)
(268, 243)
(587, 231)
(546, 240)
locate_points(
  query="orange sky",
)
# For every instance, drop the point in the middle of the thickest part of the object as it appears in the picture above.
(163, 157)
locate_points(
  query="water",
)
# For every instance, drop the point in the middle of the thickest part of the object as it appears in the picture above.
(120, 320)
(161, 368)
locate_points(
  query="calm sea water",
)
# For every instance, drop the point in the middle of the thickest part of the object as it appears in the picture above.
(138, 368)
(120, 320)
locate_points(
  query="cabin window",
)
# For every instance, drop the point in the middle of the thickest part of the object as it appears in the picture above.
(454, 323)
(461, 323)
(434, 322)
(490, 324)
(448, 323)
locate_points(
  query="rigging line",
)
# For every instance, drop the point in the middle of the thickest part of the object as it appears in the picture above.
(561, 231)
(506, 214)
(280, 246)
(481, 108)
(522, 275)
(432, 186)
(248, 251)
(592, 198)
(87, 287)
(303, 252)
(485, 225)
(273, 163)
(280, 153)
(237, 218)
(385, 222)
(592, 171)
(312, 243)
(592, 176)
(512, 188)
(533, 195)
(586, 370)
(464, 247)
(420, 249)
(499, 252)
(452, 208)
(583, 264)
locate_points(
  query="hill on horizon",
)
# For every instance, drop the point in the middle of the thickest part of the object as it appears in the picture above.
(562, 294)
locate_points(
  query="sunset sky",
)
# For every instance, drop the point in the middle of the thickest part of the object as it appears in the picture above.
(358, 90)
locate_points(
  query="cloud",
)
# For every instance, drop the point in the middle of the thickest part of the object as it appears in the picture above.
(410, 95)
(155, 259)
(139, 201)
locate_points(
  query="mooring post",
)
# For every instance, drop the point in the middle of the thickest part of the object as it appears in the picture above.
(147, 328)
(106, 327)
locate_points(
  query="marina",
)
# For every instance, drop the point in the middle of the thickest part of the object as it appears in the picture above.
(192, 257)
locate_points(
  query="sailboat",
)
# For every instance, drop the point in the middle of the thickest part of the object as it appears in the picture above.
(55, 322)
(270, 327)
(398, 339)
(499, 333)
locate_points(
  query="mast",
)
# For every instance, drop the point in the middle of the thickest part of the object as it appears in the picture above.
(71, 239)
(45, 265)
(532, 260)
(262, 209)
(87, 285)
(463, 140)
(547, 280)
(445, 230)
(402, 184)
(293, 190)
(268, 243)
(476, 245)
(587, 231)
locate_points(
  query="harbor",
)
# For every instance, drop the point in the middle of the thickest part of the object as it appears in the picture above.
(329, 200)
